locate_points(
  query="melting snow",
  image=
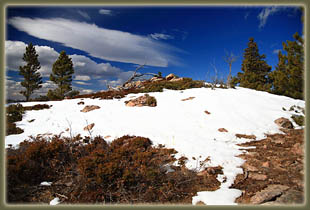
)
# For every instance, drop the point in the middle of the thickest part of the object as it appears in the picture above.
(182, 125)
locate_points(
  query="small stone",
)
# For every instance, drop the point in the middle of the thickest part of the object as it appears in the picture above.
(222, 130)
(265, 164)
(249, 167)
(200, 203)
(189, 98)
(89, 108)
(106, 137)
(256, 176)
(284, 123)
(207, 112)
(80, 103)
(89, 127)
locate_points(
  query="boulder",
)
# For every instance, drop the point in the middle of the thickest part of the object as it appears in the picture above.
(89, 127)
(222, 130)
(145, 100)
(170, 76)
(176, 79)
(89, 108)
(284, 123)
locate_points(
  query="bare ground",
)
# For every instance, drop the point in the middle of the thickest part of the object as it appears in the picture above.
(273, 171)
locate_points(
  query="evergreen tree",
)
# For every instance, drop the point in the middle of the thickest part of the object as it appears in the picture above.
(288, 77)
(32, 78)
(62, 74)
(255, 69)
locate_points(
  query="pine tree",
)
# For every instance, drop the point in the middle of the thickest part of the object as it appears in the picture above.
(32, 78)
(62, 74)
(255, 69)
(288, 77)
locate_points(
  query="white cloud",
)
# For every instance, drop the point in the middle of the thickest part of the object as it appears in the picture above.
(99, 42)
(158, 36)
(14, 51)
(13, 89)
(105, 12)
(82, 83)
(82, 78)
(265, 13)
(276, 51)
(84, 14)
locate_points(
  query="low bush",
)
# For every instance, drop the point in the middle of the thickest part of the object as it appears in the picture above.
(14, 113)
(127, 170)
(158, 86)
(298, 119)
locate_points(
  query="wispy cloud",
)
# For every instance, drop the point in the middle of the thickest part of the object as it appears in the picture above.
(105, 12)
(265, 13)
(159, 36)
(84, 14)
(111, 45)
(276, 51)
(246, 15)
(82, 78)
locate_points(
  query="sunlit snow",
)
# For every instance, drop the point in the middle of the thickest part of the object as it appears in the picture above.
(182, 125)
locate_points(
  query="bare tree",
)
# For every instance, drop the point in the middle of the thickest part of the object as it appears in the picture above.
(136, 74)
(229, 58)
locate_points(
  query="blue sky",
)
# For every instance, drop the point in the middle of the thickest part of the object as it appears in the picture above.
(107, 43)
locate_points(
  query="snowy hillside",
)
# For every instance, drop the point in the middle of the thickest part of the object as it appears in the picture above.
(188, 126)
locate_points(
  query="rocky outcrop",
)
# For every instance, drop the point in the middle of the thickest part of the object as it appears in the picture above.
(145, 100)
(89, 108)
(284, 123)
(170, 77)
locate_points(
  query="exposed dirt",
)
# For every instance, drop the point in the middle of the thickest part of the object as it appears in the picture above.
(277, 160)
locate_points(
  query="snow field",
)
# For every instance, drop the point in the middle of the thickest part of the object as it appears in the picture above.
(182, 125)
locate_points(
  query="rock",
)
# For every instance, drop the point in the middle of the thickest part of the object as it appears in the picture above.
(81, 103)
(248, 167)
(245, 136)
(284, 123)
(265, 164)
(156, 79)
(256, 176)
(106, 137)
(89, 127)
(89, 108)
(207, 112)
(145, 100)
(291, 197)
(170, 76)
(177, 79)
(189, 98)
(298, 149)
(222, 130)
(268, 194)
(200, 203)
